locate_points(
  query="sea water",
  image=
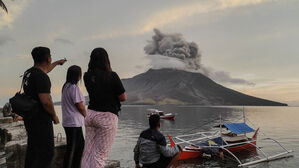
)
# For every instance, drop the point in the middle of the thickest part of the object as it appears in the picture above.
(280, 123)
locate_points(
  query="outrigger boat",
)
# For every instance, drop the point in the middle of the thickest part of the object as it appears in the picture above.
(166, 116)
(220, 143)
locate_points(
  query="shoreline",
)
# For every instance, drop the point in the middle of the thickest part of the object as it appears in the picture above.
(14, 142)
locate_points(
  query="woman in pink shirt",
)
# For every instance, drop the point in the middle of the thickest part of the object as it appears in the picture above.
(73, 113)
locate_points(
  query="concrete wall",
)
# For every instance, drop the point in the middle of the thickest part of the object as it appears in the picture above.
(14, 142)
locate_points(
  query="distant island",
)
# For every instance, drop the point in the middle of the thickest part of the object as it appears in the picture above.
(172, 86)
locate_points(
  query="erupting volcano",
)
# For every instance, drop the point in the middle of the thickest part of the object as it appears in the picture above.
(177, 76)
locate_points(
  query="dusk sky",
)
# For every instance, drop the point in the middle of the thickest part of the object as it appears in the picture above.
(253, 40)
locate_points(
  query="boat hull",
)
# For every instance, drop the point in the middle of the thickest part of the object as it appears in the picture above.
(193, 153)
(164, 117)
(168, 117)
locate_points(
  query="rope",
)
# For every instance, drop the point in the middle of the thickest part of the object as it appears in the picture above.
(197, 127)
(261, 132)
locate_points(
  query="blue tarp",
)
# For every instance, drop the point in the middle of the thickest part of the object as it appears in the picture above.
(212, 142)
(239, 128)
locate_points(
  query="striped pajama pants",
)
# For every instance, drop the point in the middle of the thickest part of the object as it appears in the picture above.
(100, 129)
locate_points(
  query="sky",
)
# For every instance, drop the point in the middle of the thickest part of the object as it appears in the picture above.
(253, 40)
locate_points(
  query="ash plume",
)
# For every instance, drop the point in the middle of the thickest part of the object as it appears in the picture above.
(225, 77)
(174, 46)
(173, 51)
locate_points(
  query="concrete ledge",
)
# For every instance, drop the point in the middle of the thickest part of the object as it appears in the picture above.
(14, 141)
(112, 164)
(6, 120)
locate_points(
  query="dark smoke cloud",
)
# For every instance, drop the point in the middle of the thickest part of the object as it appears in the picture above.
(174, 46)
(173, 51)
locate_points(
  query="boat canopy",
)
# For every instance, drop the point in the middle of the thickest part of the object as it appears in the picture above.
(239, 128)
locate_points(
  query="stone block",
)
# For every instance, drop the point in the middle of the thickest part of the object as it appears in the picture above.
(6, 120)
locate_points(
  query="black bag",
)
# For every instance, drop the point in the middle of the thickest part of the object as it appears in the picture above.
(24, 105)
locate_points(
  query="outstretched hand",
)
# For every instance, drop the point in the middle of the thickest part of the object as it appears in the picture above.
(62, 61)
(53, 65)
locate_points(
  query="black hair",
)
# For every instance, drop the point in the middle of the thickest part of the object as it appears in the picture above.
(154, 120)
(72, 76)
(99, 59)
(40, 54)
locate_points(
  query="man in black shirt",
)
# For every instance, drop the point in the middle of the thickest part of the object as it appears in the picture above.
(37, 84)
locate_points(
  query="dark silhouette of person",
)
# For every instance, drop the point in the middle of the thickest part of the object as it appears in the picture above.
(37, 84)
(73, 113)
(105, 92)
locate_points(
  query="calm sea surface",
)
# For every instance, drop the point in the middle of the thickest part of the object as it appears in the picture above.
(280, 123)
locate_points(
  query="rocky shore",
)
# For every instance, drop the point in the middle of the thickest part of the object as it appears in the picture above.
(13, 142)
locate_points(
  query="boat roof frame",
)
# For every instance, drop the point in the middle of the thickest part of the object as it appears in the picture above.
(216, 134)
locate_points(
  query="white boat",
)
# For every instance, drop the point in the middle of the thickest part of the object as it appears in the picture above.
(165, 116)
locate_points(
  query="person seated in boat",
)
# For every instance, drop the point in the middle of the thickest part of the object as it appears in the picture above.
(151, 149)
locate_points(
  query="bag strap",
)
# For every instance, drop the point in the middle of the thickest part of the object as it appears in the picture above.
(23, 81)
